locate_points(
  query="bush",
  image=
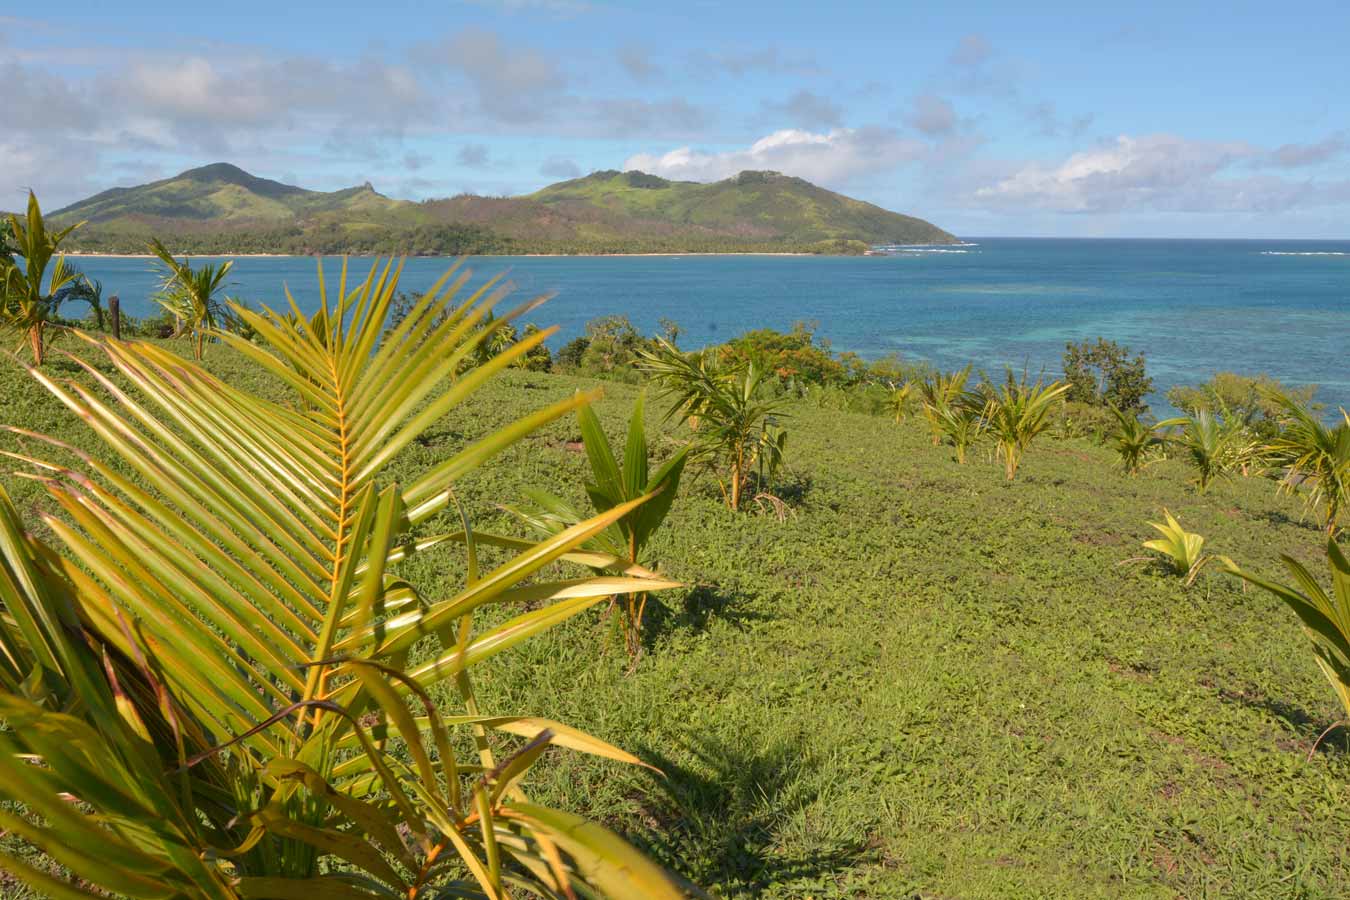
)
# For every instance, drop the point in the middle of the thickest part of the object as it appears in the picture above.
(569, 357)
(1103, 374)
(1250, 398)
(1085, 420)
(538, 358)
(794, 354)
(610, 350)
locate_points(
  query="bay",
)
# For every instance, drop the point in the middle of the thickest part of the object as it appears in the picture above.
(1192, 307)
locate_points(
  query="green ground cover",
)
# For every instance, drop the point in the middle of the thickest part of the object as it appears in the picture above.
(920, 679)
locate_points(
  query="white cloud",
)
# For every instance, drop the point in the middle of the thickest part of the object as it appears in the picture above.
(474, 156)
(768, 61)
(511, 83)
(1163, 173)
(637, 62)
(932, 115)
(833, 157)
(559, 167)
(1290, 156)
(556, 7)
(971, 50)
(65, 169)
(806, 109)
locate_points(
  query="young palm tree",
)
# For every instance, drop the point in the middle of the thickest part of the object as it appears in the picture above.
(898, 401)
(1136, 442)
(962, 421)
(84, 290)
(1018, 411)
(26, 303)
(615, 483)
(215, 652)
(192, 296)
(1216, 446)
(937, 391)
(1316, 457)
(726, 407)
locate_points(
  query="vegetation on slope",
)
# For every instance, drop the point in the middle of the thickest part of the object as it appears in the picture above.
(763, 205)
(222, 209)
(923, 679)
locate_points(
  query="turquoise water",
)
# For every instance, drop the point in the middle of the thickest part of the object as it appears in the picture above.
(1192, 307)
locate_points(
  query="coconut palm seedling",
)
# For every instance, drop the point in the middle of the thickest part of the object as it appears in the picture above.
(962, 422)
(83, 290)
(26, 291)
(1136, 442)
(1325, 616)
(771, 450)
(214, 656)
(1179, 549)
(899, 400)
(937, 391)
(192, 296)
(612, 484)
(1018, 411)
(1316, 460)
(1216, 446)
(726, 406)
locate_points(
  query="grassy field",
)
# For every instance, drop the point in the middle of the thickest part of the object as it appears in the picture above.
(923, 681)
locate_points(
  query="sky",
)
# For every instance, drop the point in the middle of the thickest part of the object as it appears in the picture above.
(1057, 119)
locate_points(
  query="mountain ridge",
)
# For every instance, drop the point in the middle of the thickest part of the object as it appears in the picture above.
(221, 207)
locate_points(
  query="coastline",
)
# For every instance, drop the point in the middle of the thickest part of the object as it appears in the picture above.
(100, 255)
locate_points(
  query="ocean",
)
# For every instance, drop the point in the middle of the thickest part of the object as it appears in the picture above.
(1192, 307)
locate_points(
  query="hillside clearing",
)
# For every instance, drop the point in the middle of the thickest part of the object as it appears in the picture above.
(922, 680)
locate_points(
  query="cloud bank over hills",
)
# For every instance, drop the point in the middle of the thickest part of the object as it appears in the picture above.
(975, 127)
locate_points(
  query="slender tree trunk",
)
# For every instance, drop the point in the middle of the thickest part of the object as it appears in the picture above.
(115, 311)
(35, 342)
(737, 475)
(637, 604)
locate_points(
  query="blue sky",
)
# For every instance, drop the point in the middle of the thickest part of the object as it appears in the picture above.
(993, 119)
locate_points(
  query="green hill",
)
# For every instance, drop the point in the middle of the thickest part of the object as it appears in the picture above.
(219, 193)
(758, 205)
(222, 208)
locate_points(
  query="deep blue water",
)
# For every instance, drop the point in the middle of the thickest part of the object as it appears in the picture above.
(1192, 307)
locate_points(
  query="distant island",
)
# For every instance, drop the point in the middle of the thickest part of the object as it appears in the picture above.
(221, 209)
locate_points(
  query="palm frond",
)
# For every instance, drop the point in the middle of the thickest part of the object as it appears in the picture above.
(242, 547)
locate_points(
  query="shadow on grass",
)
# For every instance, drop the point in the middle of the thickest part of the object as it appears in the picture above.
(1331, 737)
(1276, 517)
(701, 605)
(720, 818)
(791, 488)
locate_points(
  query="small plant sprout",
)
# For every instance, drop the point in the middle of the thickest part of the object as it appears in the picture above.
(1179, 549)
